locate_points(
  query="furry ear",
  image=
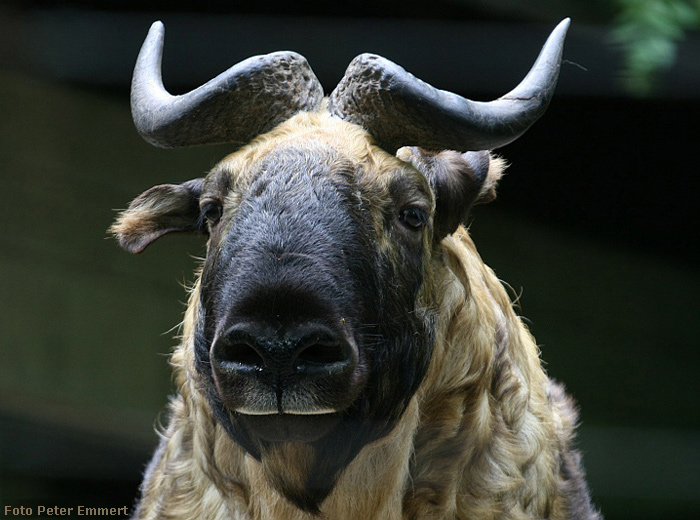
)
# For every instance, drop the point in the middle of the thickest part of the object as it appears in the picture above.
(459, 180)
(168, 208)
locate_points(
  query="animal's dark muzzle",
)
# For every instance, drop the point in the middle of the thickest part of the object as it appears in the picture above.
(287, 383)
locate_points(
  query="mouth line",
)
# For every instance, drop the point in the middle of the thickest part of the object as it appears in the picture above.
(320, 411)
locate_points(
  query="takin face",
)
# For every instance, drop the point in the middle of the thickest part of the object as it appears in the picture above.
(314, 316)
(314, 320)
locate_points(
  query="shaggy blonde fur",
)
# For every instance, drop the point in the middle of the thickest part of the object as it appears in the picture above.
(486, 436)
(481, 438)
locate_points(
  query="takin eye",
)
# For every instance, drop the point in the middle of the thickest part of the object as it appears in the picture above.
(211, 213)
(413, 217)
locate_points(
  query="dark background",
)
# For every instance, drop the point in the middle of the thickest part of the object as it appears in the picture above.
(595, 227)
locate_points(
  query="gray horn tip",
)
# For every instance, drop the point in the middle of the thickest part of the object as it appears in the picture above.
(559, 33)
(556, 38)
(154, 39)
(561, 29)
(157, 26)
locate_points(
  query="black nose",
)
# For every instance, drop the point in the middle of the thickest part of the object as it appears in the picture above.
(308, 351)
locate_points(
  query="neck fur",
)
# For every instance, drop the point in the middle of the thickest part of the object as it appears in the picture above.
(472, 440)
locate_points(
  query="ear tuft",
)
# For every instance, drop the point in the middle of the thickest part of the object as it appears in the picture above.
(168, 208)
(496, 167)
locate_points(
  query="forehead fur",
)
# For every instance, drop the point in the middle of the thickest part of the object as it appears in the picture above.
(307, 131)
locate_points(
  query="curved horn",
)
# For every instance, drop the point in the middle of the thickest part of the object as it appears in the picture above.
(248, 99)
(398, 109)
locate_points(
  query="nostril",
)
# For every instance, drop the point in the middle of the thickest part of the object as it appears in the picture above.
(238, 355)
(322, 354)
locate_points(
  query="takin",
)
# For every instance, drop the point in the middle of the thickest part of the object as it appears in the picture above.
(345, 353)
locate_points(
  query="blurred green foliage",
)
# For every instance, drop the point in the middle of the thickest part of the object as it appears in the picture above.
(649, 32)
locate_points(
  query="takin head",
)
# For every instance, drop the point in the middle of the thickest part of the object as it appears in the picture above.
(313, 317)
